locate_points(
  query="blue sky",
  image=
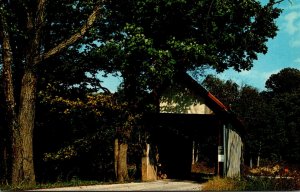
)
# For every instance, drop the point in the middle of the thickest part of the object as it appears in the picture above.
(283, 51)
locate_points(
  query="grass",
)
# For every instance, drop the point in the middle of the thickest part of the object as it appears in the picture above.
(72, 183)
(222, 184)
(252, 184)
(269, 177)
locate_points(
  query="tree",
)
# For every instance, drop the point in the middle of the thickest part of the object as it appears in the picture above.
(227, 91)
(283, 95)
(263, 137)
(287, 80)
(28, 32)
(286, 108)
(152, 40)
(253, 110)
(221, 34)
(83, 130)
(271, 117)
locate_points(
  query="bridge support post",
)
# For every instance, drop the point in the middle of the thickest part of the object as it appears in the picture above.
(149, 172)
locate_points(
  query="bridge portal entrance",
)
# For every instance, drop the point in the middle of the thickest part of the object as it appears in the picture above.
(179, 138)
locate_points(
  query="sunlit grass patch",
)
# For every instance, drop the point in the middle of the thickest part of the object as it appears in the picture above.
(223, 184)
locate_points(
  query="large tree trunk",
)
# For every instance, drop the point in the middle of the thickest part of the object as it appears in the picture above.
(121, 161)
(23, 169)
(11, 114)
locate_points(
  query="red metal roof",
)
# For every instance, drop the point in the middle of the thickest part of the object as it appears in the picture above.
(217, 101)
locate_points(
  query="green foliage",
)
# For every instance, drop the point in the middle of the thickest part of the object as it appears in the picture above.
(283, 96)
(79, 143)
(226, 91)
(287, 80)
(149, 41)
(220, 34)
(136, 58)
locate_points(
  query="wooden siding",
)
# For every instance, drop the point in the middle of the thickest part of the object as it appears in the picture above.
(234, 146)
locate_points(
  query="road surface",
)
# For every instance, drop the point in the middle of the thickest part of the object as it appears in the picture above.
(160, 185)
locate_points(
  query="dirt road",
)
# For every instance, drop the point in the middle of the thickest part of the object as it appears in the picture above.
(160, 185)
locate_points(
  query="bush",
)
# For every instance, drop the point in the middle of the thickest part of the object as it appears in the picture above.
(223, 184)
(271, 184)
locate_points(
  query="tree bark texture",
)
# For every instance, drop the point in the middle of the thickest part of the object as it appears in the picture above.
(22, 164)
(116, 156)
(122, 171)
(11, 115)
(22, 159)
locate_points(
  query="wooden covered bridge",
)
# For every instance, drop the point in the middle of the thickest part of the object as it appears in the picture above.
(190, 114)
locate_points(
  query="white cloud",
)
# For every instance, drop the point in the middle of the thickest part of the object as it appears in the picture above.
(292, 22)
(266, 75)
(257, 78)
(291, 5)
(246, 73)
(297, 60)
(295, 42)
(291, 25)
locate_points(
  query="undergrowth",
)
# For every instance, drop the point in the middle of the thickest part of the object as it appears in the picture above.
(252, 184)
(270, 177)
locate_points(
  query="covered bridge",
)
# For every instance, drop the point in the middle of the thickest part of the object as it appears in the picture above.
(188, 114)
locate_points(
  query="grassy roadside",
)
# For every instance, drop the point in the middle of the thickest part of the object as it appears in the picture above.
(252, 184)
(269, 177)
(72, 183)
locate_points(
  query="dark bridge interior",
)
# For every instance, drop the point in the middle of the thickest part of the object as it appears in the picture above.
(173, 134)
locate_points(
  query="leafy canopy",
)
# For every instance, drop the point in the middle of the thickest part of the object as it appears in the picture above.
(287, 80)
(221, 34)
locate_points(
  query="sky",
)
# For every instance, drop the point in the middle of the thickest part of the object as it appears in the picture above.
(283, 52)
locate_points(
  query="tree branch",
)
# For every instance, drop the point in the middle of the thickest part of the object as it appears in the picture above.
(64, 44)
(34, 26)
(279, 1)
(40, 18)
(7, 59)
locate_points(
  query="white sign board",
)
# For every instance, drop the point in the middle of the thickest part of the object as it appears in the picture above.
(220, 158)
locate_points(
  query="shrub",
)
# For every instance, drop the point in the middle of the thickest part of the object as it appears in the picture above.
(223, 184)
(270, 184)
